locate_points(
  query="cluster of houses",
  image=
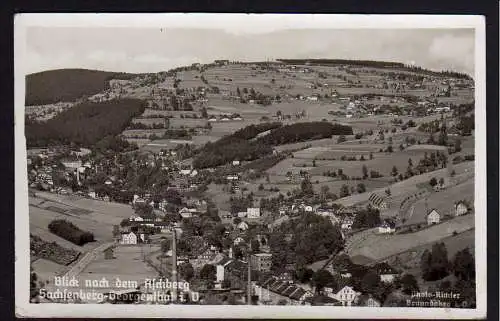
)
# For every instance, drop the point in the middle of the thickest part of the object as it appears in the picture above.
(232, 117)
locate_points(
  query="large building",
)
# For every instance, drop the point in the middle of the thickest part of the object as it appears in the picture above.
(261, 262)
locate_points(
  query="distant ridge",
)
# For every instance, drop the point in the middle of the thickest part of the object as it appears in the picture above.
(52, 86)
(376, 64)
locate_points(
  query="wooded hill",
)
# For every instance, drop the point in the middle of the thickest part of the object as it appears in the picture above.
(84, 124)
(239, 145)
(67, 85)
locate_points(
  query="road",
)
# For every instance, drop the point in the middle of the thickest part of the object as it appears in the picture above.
(81, 264)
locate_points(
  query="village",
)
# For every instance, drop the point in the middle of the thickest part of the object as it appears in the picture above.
(330, 219)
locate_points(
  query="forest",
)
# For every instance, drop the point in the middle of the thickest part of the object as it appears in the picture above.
(313, 238)
(239, 145)
(236, 146)
(85, 124)
(67, 85)
(300, 132)
(70, 232)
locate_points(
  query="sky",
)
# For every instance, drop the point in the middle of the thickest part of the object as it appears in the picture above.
(137, 48)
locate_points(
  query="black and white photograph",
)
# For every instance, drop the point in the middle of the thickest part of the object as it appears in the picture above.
(250, 165)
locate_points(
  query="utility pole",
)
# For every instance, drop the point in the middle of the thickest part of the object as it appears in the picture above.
(174, 265)
(249, 279)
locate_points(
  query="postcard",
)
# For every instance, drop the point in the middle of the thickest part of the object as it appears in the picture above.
(250, 165)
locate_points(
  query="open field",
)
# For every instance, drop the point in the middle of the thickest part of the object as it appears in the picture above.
(410, 259)
(443, 201)
(148, 121)
(381, 162)
(407, 186)
(379, 247)
(99, 218)
(127, 265)
(142, 132)
(46, 269)
(139, 141)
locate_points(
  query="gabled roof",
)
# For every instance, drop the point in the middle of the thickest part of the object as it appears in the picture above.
(433, 210)
(297, 293)
(224, 261)
(384, 268)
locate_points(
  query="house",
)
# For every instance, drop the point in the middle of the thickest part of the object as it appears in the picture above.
(236, 162)
(307, 208)
(232, 177)
(220, 269)
(242, 214)
(238, 240)
(347, 295)
(367, 300)
(243, 226)
(347, 223)
(285, 277)
(461, 208)
(185, 213)
(272, 291)
(261, 262)
(387, 227)
(163, 205)
(283, 210)
(253, 212)
(212, 119)
(312, 98)
(129, 238)
(221, 62)
(433, 217)
(387, 273)
(135, 218)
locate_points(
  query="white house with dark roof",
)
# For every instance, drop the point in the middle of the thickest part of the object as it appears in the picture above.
(461, 208)
(433, 217)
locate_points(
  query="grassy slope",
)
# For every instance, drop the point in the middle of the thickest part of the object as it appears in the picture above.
(66, 84)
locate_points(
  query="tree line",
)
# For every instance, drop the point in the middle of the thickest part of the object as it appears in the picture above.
(70, 232)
